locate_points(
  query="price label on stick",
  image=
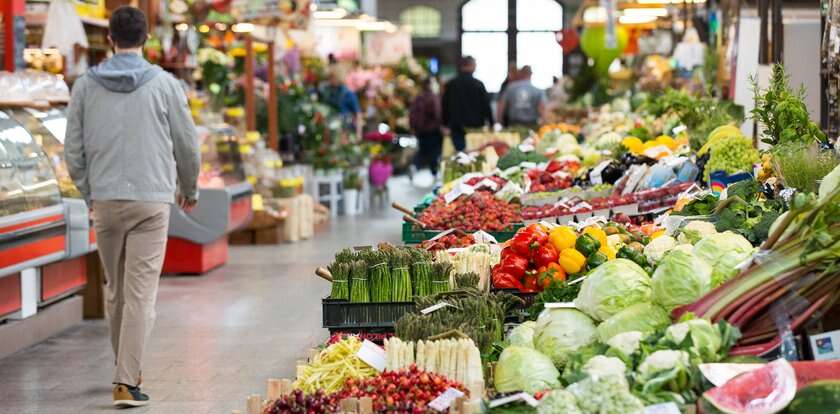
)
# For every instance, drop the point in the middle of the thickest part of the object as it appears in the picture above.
(437, 306)
(522, 396)
(445, 400)
(372, 354)
(664, 408)
(560, 305)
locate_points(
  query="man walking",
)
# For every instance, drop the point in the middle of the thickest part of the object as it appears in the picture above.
(522, 103)
(465, 103)
(129, 136)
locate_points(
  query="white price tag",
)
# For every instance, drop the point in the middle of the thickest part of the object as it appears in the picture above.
(459, 190)
(526, 147)
(595, 175)
(663, 408)
(483, 237)
(445, 400)
(372, 354)
(678, 129)
(522, 396)
(560, 305)
(435, 307)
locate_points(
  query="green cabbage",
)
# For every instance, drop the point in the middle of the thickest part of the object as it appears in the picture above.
(666, 375)
(680, 279)
(524, 369)
(642, 317)
(560, 332)
(612, 287)
(724, 251)
(696, 230)
(558, 401)
(523, 335)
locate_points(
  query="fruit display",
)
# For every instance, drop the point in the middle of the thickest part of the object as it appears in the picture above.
(478, 211)
(403, 391)
(448, 241)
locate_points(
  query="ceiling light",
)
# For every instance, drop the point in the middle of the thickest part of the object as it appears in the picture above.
(243, 28)
(337, 13)
(595, 15)
(636, 19)
(656, 12)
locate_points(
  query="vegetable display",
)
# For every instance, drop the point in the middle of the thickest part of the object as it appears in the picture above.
(456, 359)
(331, 368)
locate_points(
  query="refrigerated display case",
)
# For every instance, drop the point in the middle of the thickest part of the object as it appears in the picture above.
(43, 238)
(198, 240)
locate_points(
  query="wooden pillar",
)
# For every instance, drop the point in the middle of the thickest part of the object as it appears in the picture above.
(250, 107)
(273, 133)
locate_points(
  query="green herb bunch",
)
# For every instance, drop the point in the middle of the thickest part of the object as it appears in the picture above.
(782, 111)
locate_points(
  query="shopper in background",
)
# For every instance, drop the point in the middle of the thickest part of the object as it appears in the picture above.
(522, 104)
(512, 76)
(425, 120)
(465, 103)
(343, 100)
(129, 136)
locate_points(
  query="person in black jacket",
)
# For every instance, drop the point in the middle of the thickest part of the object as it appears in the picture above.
(465, 103)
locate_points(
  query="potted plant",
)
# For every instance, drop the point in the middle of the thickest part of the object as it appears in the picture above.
(352, 186)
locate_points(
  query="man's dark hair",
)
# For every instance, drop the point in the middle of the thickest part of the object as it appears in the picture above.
(466, 61)
(128, 27)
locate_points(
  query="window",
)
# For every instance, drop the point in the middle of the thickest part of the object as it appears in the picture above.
(425, 21)
(487, 35)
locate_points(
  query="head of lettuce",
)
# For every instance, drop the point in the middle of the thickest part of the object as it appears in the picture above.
(611, 287)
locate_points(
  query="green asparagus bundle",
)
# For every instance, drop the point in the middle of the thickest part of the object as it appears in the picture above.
(359, 289)
(471, 312)
(380, 277)
(400, 275)
(341, 280)
(466, 280)
(440, 278)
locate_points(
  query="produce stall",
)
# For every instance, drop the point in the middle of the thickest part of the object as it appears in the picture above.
(652, 260)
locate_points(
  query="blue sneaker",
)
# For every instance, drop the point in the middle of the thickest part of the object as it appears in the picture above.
(128, 396)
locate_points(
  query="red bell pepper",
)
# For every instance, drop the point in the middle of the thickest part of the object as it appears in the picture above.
(514, 264)
(531, 282)
(529, 239)
(545, 255)
(503, 280)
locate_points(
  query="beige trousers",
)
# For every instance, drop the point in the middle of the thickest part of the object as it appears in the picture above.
(131, 237)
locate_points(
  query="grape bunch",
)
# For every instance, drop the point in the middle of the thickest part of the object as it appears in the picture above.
(732, 154)
(297, 402)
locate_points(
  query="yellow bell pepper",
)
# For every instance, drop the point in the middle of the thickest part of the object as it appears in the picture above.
(608, 251)
(571, 260)
(657, 234)
(562, 237)
(597, 233)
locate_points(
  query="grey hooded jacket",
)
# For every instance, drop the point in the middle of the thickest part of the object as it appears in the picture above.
(130, 134)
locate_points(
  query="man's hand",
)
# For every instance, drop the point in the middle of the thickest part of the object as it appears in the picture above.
(186, 204)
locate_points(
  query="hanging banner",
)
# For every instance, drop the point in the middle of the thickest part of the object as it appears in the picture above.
(383, 48)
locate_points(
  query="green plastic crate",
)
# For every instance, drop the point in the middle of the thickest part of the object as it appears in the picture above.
(413, 235)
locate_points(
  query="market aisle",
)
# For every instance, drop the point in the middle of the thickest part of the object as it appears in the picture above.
(217, 338)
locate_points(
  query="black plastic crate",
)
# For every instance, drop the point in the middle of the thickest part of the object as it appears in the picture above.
(344, 315)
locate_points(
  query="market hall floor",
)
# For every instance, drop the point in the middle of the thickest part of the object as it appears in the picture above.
(217, 338)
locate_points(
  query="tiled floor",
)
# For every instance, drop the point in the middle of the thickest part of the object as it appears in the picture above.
(218, 337)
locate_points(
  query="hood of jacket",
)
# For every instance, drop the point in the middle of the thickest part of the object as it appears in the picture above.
(124, 72)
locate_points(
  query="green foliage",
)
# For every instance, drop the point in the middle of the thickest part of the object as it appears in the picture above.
(515, 157)
(783, 112)
(801, 164)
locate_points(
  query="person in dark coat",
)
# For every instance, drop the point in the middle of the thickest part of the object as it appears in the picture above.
(465, 103)
(425, 120)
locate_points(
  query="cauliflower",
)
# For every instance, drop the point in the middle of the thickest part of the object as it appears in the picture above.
(626, 342)
(657, 248)
(558, 401)
(604, 366)
(695, 230)
(606, 395)
(662, 360)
